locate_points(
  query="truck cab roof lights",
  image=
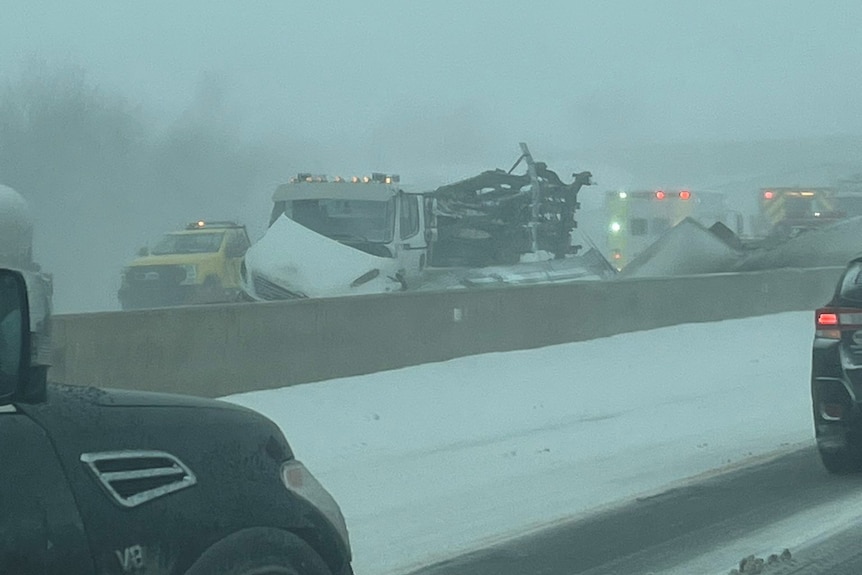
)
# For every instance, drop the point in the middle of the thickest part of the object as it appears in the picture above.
(385, 178)
(768, 195)
(376, 177)
(685, 195)
(659, 195)
(201, 224)
(306, 177)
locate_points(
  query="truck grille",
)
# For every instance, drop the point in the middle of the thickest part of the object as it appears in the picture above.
(271, 291)
(155, 276)
(136, 477)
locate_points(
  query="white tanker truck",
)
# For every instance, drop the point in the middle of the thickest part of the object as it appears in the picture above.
(16, 252)
(16, 231)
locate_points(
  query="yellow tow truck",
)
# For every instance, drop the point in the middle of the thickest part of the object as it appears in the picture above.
(200, 264)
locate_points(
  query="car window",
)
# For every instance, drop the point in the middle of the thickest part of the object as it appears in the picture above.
(851, 284)
(237, 244)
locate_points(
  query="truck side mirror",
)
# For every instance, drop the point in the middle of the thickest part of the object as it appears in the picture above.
(14, 335)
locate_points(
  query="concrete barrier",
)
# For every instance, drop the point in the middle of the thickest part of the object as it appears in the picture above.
(218, 350)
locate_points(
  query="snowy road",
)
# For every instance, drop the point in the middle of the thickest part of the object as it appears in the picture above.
(699, 527)
(431, 461)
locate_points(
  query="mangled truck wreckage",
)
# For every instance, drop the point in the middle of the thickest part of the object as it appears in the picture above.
(497, 216)
(337, 236)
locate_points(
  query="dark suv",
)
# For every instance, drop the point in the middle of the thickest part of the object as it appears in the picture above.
(836, 374)
(95, 481)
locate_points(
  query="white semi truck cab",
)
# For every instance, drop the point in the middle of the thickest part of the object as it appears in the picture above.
(340, 236)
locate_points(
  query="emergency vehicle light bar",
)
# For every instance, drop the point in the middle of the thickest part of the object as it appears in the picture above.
(375, 177)
(200, 224)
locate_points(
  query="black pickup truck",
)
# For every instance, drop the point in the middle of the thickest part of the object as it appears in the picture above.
(97, 481)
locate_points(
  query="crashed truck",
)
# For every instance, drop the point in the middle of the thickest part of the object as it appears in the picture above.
(337, 236)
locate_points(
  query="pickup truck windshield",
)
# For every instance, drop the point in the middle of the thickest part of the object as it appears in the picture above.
(196, 243)
(346, 220)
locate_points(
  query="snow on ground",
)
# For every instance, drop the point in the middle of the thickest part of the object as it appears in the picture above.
(433, 460)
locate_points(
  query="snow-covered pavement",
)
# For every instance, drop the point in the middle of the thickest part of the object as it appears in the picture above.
(432, 460)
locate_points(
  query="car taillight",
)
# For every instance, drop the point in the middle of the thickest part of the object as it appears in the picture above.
(826, 318)
(827, 324)
(830, 322)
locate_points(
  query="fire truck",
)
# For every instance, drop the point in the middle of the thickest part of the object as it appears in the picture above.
(636, 218)
(786, 211)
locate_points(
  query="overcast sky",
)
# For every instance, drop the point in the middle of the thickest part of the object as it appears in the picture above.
(465, 74)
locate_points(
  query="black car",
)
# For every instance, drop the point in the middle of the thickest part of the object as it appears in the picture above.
(836, 374)
(96, 481)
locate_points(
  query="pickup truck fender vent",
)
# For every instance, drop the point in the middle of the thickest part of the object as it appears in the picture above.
(136, 477)
(271, 291)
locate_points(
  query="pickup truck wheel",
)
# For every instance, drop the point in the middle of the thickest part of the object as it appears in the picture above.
(260, 551)
(212, 291)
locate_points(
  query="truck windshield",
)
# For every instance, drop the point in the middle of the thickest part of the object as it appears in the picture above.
(346, 220)
(196, 243)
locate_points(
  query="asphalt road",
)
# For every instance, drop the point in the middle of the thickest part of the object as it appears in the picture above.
(659, 533)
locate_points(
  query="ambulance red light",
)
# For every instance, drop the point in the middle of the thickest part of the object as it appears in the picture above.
(685, 195)
(768, 195)
(659, 195)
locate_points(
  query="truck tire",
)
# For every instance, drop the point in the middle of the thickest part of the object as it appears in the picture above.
(260, 551)
(841, 462)
(212, 291)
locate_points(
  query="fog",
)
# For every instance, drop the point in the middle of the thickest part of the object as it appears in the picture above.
(119, 121)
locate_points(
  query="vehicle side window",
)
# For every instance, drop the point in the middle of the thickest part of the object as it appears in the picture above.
(10, 336)
(409, 216)
(638, 226)
(851, 285)
(236, 245)
(278, 208)
(242, 241)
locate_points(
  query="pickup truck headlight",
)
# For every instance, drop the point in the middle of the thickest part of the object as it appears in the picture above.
(300, 481)
(191, 274)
